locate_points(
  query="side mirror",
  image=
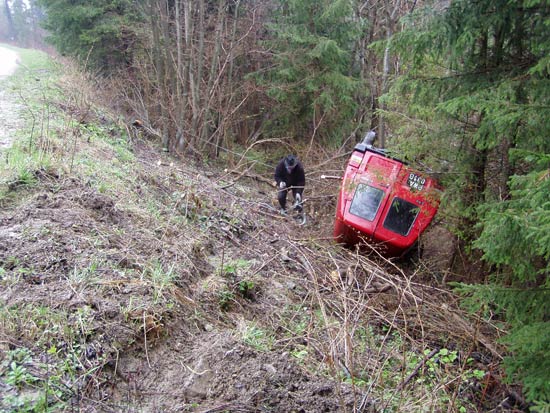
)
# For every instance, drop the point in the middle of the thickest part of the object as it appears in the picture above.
(369, 138)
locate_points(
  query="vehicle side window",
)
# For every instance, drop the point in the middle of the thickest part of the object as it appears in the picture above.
(401, 216)
(366, 201)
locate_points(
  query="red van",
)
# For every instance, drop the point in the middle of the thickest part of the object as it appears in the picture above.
(383, 201)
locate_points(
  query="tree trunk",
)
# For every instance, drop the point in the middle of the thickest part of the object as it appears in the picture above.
(497, 172)
(159, 64)
(208, 120)
(179, 100)
(368, 63)
(195, 76)
(12, 34)
(231, 47)
(188, 66)
(170, 62)
(390, 23)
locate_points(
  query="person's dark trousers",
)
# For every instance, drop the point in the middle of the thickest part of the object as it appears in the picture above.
(283, 194)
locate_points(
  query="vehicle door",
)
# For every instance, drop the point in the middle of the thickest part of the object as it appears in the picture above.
(373, 185)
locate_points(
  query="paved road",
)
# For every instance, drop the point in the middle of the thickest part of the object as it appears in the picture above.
(10, 119)
(8, 62)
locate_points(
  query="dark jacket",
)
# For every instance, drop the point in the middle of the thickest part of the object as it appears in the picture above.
(296, 178)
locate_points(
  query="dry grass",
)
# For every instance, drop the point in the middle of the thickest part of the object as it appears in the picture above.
(153, 246)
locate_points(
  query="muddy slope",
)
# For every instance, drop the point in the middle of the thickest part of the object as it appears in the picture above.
(205, 301)
(159, 344)
(156, 284)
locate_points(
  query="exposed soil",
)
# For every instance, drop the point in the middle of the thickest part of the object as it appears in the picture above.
(203, 300)
(193, 354)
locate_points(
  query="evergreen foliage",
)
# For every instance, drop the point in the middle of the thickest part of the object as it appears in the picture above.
(515, 238)
(475, 101)
(311, 81)
(479, 85)
(19, 22)
(100, 32)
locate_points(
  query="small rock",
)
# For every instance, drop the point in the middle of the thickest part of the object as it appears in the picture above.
(270, 368)
(283, 253)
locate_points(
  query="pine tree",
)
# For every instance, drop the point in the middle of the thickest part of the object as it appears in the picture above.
(311, 82)
(479, 88)
(100, 32)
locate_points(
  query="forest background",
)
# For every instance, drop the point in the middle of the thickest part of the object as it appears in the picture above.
(459, 88)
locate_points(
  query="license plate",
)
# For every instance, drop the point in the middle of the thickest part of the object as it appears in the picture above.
(416, 182)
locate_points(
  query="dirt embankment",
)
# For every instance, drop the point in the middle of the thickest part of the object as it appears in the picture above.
(174, 287)
(211, 303)
(162, 344)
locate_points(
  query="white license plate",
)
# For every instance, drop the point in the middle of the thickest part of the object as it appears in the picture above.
(416, 182)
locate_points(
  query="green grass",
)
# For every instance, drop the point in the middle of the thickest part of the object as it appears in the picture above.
(20, 166)
(31, 86)
(31, 58)
(37, 386)
(96, 152)
(35, 79)
(53, 136)
(79, 279)
(161, 280)
(258, 338)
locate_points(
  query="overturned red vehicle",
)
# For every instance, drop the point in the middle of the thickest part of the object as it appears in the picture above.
(384, 202)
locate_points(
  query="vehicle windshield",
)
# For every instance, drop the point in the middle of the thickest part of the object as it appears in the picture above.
(401, 216)
(366, 201)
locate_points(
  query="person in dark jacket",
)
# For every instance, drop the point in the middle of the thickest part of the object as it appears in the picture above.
(289, 174)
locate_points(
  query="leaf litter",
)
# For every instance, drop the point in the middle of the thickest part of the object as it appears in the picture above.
(183, 294)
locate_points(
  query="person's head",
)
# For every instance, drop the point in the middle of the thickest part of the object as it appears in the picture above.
(290, 163)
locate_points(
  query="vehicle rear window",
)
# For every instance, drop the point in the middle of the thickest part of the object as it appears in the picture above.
(366, 201)
(401, 216)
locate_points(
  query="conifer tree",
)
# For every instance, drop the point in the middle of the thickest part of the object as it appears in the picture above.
(102, 32)
(479, 90)
(26, 23)
(311, 81)
(7, 13)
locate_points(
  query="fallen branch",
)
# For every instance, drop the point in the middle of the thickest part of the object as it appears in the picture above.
(255, 177)
(378, 289)
(241, 174)
(416, 369)
(458, 321)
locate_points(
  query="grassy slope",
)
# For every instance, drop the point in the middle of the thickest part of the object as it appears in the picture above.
(135, 282)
